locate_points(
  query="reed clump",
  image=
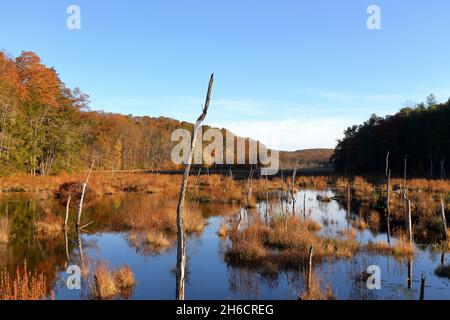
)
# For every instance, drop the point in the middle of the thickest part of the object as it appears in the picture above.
(25, 285)
(363, 189)
(315, 292)
(124, 277)
(223, 231)
(156, 215)
(109, 284)
(5, 231)
(400, 249)
(104, 285)
(49, 225)
(359, 224)
(285, 241)
(157, 239)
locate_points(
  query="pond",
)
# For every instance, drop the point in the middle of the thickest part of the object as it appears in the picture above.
(209, 276)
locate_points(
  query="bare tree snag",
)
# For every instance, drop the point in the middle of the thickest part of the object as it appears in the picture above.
(85, 184)
(304, 206)
(444, 220)
(410, 272)
(388, 197)
(422, 287)
(67, 211)
(310, 261)
(181, 245)
(408, 220)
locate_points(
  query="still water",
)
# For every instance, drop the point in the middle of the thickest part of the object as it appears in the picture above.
(208, 275)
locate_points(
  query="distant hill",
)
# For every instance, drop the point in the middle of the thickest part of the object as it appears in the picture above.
(309, 158)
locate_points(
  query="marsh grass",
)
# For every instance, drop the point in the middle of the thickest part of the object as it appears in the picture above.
(157, 239)
(223, 231)
(5, 231)
(110, 284)
(401, 248)
(25, 285)
(315, 291)
(285, 242)
(49, 225)
(104, 285)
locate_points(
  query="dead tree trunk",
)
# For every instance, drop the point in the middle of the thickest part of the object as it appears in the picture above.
(422, 287)
(181, 243)
(408, 220)
(267, 200)
(444, 220)
(85, 184)
(410, 272)
(310, 261)
(249, 190)
(388, 185)
(67, 211)
(293, 187)
(388, 197)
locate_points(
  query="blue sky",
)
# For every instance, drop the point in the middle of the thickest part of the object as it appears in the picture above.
(294, 73)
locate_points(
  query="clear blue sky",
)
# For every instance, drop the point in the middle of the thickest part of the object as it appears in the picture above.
(299, 70)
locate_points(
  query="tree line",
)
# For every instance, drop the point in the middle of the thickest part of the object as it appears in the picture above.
(46, 128)
(419, 135)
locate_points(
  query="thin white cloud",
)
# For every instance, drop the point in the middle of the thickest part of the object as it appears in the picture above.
(291, 134)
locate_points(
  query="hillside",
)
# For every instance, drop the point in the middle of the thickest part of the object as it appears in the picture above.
(309, 158)
(47, 128)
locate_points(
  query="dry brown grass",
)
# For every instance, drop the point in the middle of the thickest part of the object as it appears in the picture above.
(157, 239)
(402, 248)
(157, 215)
(316, 182)
(362, 188)
(110, 284)
(25, 285)
(5, 231)
(359, 224)
(223, 231)
(104, 284)
(49, 225)
(286, 242)
(124, 277)
(315, 291)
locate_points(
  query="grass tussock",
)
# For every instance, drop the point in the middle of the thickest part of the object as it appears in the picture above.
(156, 215)
(359, 224)
(109, 284)
(400, 249)
(157, 239)
(49, 225)
(315, 291)
(25, 285)
(286, 242)
(223, 231)
(124, 277)
(5, 231)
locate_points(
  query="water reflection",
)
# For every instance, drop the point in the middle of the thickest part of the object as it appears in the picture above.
(209, 275)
